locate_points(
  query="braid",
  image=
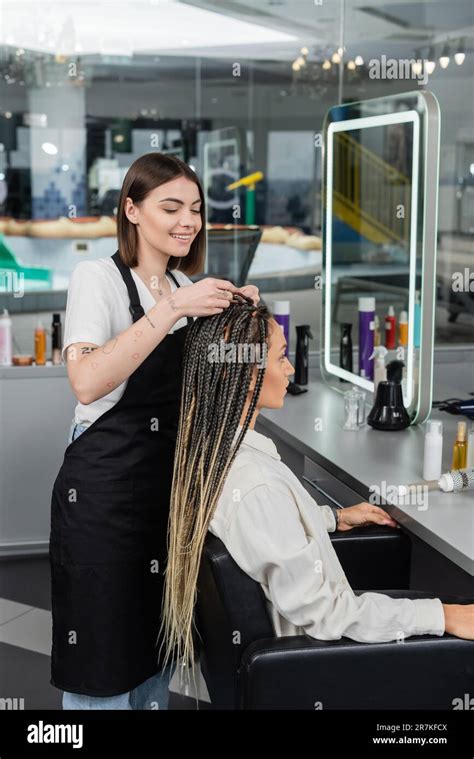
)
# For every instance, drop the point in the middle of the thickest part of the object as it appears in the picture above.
(213, 398)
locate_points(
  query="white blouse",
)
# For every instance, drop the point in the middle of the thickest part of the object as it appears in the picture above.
(98, 309)
(278, 535)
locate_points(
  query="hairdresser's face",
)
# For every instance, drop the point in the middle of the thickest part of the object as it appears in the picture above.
(278, 370)
(169, 218)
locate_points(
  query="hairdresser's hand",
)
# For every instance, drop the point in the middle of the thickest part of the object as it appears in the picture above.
(362, 515)
(205, 298)
(251, 291)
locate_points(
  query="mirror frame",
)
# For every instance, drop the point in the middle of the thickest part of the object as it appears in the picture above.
(425, 173)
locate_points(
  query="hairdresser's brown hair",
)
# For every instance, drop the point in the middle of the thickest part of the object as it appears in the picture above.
(212, 402)
(144, 175)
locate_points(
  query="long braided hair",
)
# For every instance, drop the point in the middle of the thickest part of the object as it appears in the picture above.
(212, 403)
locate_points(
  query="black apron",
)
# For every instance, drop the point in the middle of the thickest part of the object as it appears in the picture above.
(109, 518)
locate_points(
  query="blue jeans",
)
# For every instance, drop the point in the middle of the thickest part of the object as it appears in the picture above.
(152, 694)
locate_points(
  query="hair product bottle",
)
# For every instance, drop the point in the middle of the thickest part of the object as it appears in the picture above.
(303, 336)
(470, 448)
(366, 337)
(5, 339)
(40, 344)
(390, 328)
(281, 313)
(376, 331)
(56, 338)
(345, 348)
(380, 370)
(460, 447)
(403, 329)
(432, 461)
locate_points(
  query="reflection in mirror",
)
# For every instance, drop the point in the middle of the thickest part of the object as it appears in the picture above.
(373, 245)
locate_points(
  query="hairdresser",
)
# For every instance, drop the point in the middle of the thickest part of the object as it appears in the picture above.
(127, 317)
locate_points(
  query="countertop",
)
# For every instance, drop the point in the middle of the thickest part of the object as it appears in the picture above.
(367, 458)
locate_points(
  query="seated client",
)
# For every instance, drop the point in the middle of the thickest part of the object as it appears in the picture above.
(229, 479)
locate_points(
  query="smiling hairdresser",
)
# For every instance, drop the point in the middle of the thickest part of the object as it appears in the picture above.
(127, 317)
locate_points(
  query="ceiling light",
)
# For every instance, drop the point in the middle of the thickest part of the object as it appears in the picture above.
(326, 65)
(49, 148)
(460, 56)
(336, 57)
(304, 51)
(359, 61)
(202, 29)
(444, 58)
(430, 67)
(351, 65)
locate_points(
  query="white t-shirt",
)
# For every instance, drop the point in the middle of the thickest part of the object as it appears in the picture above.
(97, 309)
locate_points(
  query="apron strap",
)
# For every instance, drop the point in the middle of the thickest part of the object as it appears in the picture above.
(136, 308)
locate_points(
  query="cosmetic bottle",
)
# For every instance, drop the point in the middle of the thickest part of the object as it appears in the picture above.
(345, 348)
(460, 447)
(417, 320)
(433, 454)
(380, 370)
(376, 331)
(56, 338)
(403, 329)
(5, 339)
(40, 344)
(366, 337)
(281, 313)
(390, 328)
(470, 448)
(303, 336)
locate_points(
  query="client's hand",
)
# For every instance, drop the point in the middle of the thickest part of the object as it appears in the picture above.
(362, 515)
(251, 291)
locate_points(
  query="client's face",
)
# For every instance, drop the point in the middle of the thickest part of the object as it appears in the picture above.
(278, 370)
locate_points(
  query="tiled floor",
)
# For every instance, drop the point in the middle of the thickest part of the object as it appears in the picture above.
(25, 639)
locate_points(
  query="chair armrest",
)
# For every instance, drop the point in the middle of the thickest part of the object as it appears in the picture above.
(300, 672)
(374, 557)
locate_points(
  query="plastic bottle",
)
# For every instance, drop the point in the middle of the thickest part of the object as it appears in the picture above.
(56, 337)
(345, 348)
(377, 341)
(5, 339)
(281, 313)
(390, 328)
(40, 344)
(380, 370)
(366, 337)
(433, 454)
(417, 321)
(460, 447)
(470, 448)
(403, 329)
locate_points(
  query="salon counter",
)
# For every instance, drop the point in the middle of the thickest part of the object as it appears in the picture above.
(339, 466)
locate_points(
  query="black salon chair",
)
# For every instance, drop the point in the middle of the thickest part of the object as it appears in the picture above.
(246, 666)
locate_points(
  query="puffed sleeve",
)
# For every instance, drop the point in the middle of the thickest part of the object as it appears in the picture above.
(88, 308)
(305, 580)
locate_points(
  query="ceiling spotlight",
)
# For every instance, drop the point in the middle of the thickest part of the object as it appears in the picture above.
(359, 61)
(326, 65)
(295, 66)
(417, 67)
(430, 67)
(49, 148)
(336, 57)
(351, 65)
(304, 51)
(460, 56)
(444, 58)
(430, 64)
